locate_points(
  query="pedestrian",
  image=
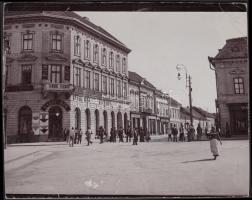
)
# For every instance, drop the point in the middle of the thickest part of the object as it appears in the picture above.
(115, 134)
(76, 133)
(120, 134)
(111, 135)
(199, 132)
(67, 135)
(135, 137)
(80, 136)
(71, 137)
(181, 133)
(227, 131)
(141, 135)
(101, 134)
(175, 138)
(147, 137)
(170, 134)
(88, 136)
(128, 134)
(214, 137)
(64, 134)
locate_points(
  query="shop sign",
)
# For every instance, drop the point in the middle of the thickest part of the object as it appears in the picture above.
(57, 102)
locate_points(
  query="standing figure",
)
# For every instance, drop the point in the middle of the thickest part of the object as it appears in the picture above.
(76, 133)
(80, 136)
(111, 135)
(101, 134)
(147, 136)
(181, 133)
(170, 134)
(175, 136)
(199, 132)
(128, 134)
(71, 137)
(214, 137)
(88, 136)
(135, 137)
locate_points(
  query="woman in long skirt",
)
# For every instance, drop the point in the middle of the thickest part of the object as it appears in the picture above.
(214, 137)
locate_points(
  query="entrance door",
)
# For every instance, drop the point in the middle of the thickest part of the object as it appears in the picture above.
(55, 122)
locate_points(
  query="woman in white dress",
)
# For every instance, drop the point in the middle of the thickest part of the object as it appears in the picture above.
(214, 137)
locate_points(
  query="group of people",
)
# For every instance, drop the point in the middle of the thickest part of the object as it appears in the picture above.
(74, 136)
(179, 134)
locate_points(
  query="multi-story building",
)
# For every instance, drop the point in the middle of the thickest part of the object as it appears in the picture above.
(145, 91)
(162, 111)
(63, 71)
(232, 82)
(175, 118)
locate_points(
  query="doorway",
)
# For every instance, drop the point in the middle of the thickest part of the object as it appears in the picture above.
(55, 122)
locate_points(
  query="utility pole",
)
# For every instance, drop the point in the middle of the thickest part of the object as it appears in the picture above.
(190, 99)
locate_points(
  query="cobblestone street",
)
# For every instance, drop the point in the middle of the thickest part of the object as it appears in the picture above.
(155, 168)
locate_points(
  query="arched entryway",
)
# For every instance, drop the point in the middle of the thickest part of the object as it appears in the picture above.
(55, 122)
(77, 118)
(88, 119)
(97, 121)
(25, 124)
(125, 121)
(112, 119)
(119, 120)
(105, 117)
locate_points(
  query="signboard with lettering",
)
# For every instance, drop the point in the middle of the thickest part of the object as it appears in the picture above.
(57, 102)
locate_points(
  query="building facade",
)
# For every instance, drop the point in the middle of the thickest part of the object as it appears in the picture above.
(63, 71)
(143, 94)
(175, 118)
(162, 112)
(232, 82)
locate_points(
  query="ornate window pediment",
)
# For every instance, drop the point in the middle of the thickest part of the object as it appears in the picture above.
(27, 57)
(56, 57)
(78, 61)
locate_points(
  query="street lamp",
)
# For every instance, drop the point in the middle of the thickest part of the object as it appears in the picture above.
(179, 67)
(6, 50)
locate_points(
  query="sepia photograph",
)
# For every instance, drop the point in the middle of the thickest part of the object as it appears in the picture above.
(107, 102)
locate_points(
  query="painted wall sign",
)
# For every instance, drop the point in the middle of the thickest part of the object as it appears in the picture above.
(58, 102)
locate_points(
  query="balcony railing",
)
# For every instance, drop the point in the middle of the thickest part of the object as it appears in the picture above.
(58, 87)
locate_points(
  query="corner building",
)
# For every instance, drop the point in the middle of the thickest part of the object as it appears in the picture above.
(62, 71)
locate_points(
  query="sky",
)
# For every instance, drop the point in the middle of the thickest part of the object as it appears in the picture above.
(161, 40)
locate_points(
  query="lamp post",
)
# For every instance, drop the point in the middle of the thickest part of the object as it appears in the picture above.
(179, 67)
(6, 50)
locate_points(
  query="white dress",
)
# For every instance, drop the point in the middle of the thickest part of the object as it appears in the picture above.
(214, 147)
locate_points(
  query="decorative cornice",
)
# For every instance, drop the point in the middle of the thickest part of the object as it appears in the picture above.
(27, 57)
(56, 57)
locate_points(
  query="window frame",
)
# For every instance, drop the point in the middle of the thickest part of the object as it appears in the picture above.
(87, 49)
(55, 73)
(23, 82)
(96, 81)
(57, 40)
(104, 57)
(96, 53)
(239, 84)
(87, 79)
(77, 45)
(29, 39)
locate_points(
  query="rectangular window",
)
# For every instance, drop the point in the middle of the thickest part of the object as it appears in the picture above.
(118, 63)
(77, 45)
(125, 90)
(87, 49)
(119, 90)
(104, 84)
(112, 86)
(27, 41)
(96, 82)
(56, 74)
(44, 72)
(26, 74)
(57, 42)
(104, 57)
(96, 53)
(88, 85)
(239, 85)
(67, 73)
(124, 65)
(77, 80)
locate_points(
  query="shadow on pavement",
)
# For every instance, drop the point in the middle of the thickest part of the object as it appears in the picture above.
(208, 159)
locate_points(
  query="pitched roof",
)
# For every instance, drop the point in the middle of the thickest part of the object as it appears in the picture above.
(66, 14)
(174, 102)
(234, 48)
(203, 112)
(133, 76)
(195, 114)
